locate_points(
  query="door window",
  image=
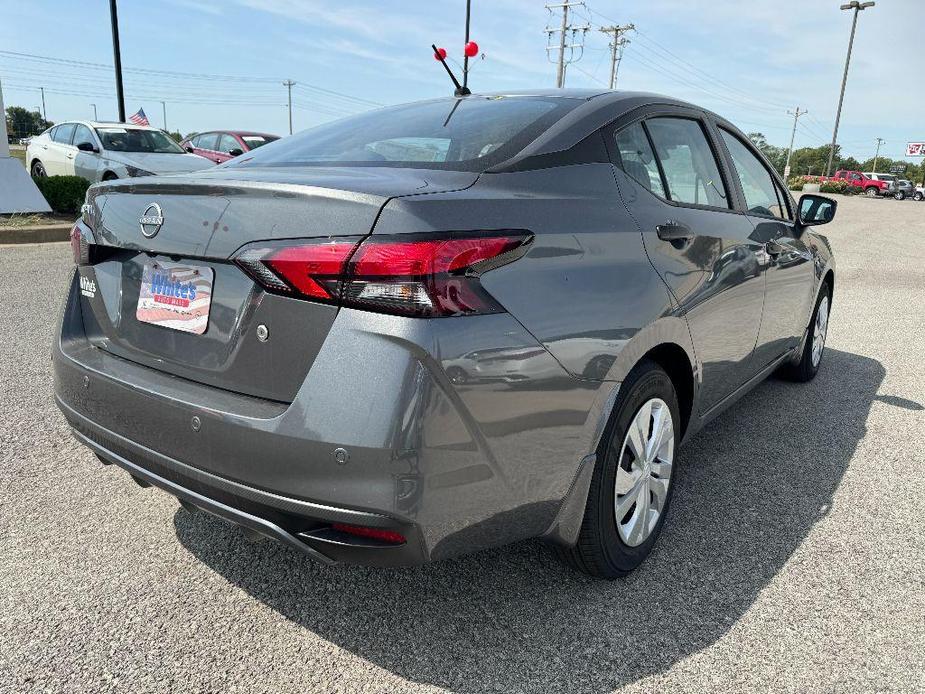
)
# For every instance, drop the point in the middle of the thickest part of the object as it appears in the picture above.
(761, 192)
(228, 143)
(637, 158)
(63, 133)
(208, 141)
(688, 163)
(82, 134)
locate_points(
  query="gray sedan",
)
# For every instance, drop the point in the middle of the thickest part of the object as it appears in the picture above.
(443, 326)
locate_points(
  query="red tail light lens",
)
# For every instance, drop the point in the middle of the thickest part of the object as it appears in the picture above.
(416, 276)
(310, 270)
(80, 247)
(374, 533)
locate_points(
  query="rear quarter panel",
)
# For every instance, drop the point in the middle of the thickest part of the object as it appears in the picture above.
(586, 288)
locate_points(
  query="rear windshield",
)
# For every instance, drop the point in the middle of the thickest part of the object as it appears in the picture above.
(134, 140)
(469, 134)
(255, 141)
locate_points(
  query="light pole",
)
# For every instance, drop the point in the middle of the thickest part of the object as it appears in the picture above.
(857, 7)
(94, 112)
(117, 58)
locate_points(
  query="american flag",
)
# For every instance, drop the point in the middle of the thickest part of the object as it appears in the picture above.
(139, 118)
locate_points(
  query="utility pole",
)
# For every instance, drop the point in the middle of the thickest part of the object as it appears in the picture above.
(616, 48)
(880, 141)
(117, 58)
(288, 84)
(564, 29)
(94, 112)
(164, 106)
(44, 112)
(796, 116)
(857, 7)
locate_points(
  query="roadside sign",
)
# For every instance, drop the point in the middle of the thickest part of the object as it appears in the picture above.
(786, 172)
(915, 149)
(898, 168)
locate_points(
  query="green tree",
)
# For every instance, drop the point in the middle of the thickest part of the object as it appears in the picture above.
(776, 155)
(21, 122)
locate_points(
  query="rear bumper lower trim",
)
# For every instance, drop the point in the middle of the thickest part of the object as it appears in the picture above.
(264, 527)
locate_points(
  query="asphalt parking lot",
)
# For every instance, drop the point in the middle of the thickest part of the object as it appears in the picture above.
(793, 560)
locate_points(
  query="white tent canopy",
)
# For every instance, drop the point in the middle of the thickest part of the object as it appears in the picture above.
(17, 191)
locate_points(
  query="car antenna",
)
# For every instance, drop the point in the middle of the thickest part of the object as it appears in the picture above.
(440, 54)
(470, 50)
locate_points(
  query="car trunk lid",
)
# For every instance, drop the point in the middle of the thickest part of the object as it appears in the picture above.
(251, 342)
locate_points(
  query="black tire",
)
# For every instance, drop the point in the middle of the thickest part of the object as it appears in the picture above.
(600, 552)
(804, 370)
(38, 170)
(917, 196)
(871, 192)
(899, 195)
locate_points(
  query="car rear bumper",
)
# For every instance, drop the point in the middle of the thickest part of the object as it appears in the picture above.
(452, 468)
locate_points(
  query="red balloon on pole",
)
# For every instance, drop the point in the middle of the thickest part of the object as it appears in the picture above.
(471, 49)
(440, 54)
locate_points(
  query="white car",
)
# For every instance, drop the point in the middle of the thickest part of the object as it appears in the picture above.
(104, 151)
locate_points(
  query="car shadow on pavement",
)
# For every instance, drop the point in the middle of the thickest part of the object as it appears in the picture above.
(752, 486)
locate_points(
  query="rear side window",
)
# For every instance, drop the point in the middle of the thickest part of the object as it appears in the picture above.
(638, 159)
(63, 133)
(687, 161)
(761, 194)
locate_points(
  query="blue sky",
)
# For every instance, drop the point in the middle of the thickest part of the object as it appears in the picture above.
(748, 61)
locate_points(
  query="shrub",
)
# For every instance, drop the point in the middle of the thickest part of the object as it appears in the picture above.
(853, 190)
(833, 187)
(64, 194)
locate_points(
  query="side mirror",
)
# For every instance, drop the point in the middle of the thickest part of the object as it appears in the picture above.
(235, 151)
(189, 148)
(87, 147)
(815, 210)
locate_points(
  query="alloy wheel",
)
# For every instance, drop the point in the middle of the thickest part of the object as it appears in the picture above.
(820, 328)
(644, 472)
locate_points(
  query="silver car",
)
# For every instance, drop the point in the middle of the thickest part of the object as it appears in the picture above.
(443, 326)
(107, 151)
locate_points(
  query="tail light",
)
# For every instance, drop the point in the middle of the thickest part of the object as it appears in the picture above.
(381, 534)
(80, 247)
(419, 275)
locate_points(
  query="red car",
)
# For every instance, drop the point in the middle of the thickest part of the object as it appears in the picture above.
(221, 145)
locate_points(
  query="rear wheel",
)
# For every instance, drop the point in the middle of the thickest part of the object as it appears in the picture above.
(38, 171)
(631, 487)
(900, 195)
(808, 366)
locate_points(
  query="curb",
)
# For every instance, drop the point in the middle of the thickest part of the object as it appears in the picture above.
(49, 233)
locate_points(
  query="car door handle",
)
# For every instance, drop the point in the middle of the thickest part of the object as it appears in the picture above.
(70, 156)
(674, 231)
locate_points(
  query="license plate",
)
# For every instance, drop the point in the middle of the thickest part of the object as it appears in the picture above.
(175, 296)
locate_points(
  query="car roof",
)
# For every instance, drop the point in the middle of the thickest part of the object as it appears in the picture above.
(106, 124)
(241, 133)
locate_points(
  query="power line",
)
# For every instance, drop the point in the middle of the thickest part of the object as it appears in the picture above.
(174, 73)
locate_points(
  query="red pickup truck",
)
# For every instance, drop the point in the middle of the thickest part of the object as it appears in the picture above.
(872, 186)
